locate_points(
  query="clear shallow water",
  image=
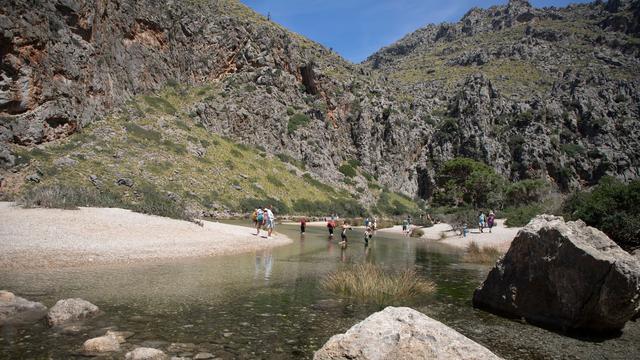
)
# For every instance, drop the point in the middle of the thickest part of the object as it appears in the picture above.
(269, 304)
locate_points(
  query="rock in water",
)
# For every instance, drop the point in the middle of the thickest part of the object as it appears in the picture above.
(106, 343)
(17, 310)
(401, 333)
(70, 310)
(567, 276)
(143, 353)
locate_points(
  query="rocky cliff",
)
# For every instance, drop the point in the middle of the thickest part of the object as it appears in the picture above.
(551, 93)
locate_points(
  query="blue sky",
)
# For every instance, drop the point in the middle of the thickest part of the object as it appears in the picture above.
(358, 28)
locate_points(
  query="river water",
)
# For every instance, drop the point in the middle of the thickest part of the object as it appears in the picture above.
(269, 304)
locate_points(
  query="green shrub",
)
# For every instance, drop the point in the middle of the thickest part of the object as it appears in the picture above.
(275, 181)
(67, 197)
(348, 170)
(142, 133)
(611, 206)
(521, 215)
(175, 147)
(572, 149)
(158, 203)
(296, 121)
(320, 185)
(160, 104)
(289, 159)
(236, 153)
(526, 191)
(464, 181)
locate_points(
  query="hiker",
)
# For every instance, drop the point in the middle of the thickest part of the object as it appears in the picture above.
(405, 225)
(303, 224)
(465, 230)
(259, 219)
(270, 220)
(343, 234)
(375, 224)
(254, 217)
(481, 220)
(330, 226)
(368, 234)
(366, 222)
(491, 220)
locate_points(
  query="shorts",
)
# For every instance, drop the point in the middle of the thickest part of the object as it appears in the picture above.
(331, 231)
(270, 224)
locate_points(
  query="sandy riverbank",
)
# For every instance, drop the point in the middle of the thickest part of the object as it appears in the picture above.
(41, 238)
(500, 236)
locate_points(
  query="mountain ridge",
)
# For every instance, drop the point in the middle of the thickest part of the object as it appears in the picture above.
(552, 95)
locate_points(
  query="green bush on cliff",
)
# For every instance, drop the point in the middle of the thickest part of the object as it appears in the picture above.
(296, 121)
(464, 181)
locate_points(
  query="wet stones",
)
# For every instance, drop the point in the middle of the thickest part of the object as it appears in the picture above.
(17, 310)
(568, 276)
(401, 333)
(70, 310)
(102, 344)
(143, 353)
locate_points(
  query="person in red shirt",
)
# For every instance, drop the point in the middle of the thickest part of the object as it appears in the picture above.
(303, 224)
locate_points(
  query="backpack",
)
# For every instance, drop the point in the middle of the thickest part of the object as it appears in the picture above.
(260, 216)
(254, 215)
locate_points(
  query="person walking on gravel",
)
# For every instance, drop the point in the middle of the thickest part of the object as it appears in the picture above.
(271, 220)
(259, 219)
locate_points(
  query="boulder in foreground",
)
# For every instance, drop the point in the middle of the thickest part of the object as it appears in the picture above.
(17, 310)
(69, 310)
(401, 333)
(567, 276)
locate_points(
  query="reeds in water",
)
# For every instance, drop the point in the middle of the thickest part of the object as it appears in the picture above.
(367, 283)
(482, 255)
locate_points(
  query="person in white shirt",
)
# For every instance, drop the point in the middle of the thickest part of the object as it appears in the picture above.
(271, 220)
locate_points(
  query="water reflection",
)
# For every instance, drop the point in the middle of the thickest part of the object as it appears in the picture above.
(264, 265)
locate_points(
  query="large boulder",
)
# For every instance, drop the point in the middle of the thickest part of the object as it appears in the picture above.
(401, 333)
(70, 310)
(17, 310)
(143, 353)
(567, 276)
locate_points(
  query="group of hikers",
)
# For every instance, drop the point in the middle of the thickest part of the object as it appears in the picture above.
(263, 218)
(484, 221)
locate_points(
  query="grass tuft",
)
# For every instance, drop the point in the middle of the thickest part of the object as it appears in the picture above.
(368, 283)
(485, 255)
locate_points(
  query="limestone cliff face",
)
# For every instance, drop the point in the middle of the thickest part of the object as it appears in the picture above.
(549, 93)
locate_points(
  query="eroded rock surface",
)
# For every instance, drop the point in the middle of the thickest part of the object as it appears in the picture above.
(401, 333)
(70, 310)
(564, 275)
(143, 353)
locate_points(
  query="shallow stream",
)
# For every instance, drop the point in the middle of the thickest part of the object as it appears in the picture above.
(269, 304)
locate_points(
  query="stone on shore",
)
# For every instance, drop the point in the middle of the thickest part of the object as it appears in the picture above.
(17, 310)
(121, 336)
(143, 353)
(401, 333)
(70, 310)
(567, 276)
(102, 344)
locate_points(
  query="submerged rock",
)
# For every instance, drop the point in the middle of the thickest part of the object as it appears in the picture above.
(143, 353)
(106, 343)
(71, 310)
(401, 333)
(17, 310)
(564, 275)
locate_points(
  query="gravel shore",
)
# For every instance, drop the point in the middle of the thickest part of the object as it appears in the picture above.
(53, 238)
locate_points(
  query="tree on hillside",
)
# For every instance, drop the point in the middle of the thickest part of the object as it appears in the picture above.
(464, 181)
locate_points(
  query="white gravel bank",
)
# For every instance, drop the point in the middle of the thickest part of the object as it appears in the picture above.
(37, 238)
